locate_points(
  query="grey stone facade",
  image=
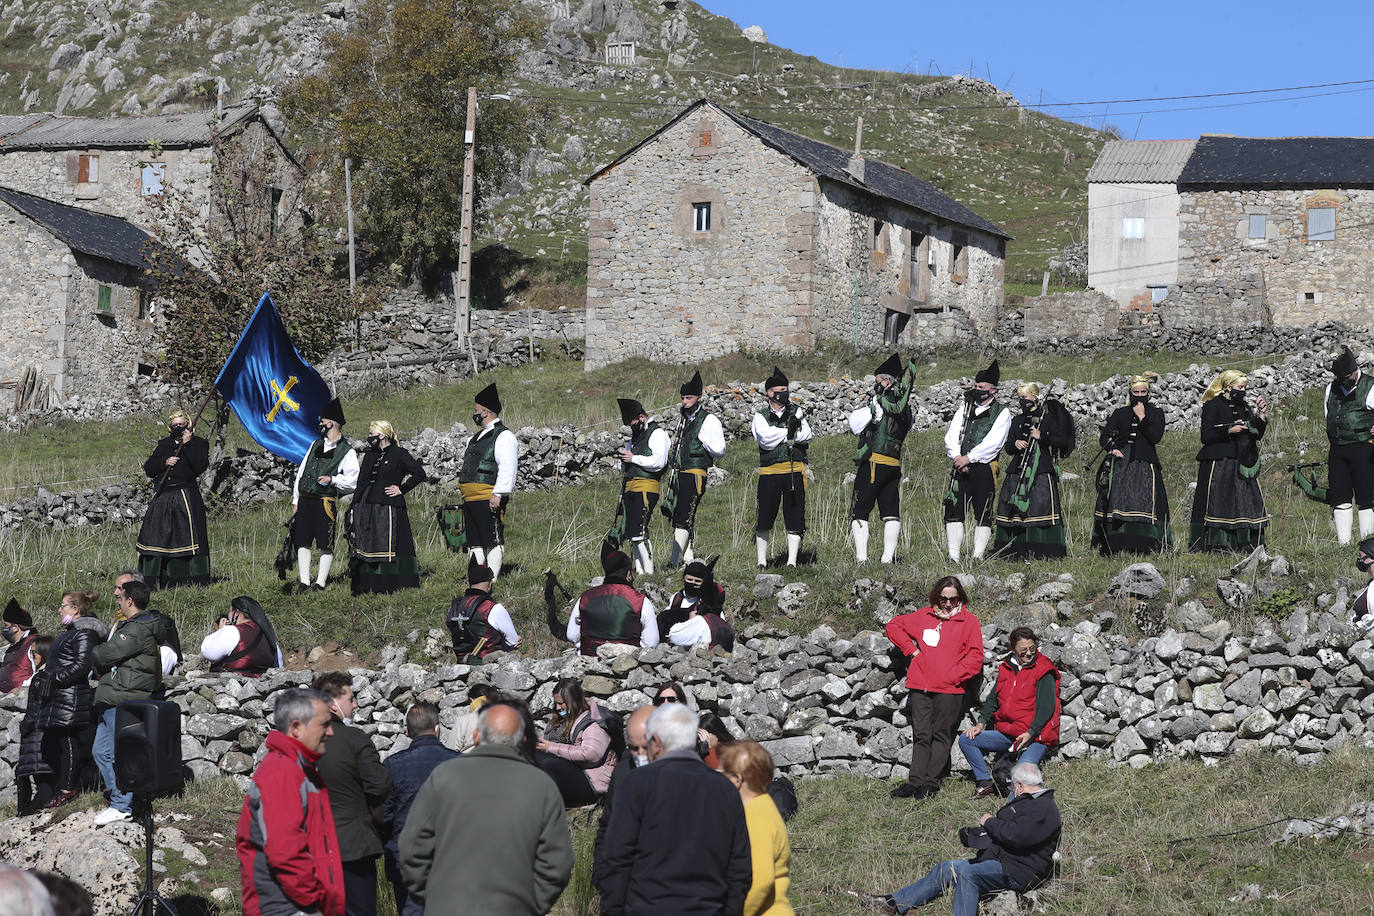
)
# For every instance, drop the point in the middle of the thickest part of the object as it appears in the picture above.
(789, 256)
(1076, 314)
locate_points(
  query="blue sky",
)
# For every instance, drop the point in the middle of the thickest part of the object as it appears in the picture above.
(1078, 51)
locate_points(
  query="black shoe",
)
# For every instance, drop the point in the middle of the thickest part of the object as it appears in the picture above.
(926, 791)
(983, 790)
(905, 790)
(302, 588)
(882, 903)
(317, 587)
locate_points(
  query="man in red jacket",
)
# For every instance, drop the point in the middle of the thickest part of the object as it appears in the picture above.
(1021, 712)
(288, 852)
(945, 644)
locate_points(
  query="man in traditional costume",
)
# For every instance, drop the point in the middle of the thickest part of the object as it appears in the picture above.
(881, 425)
(643, 459)
(699, 444)
(1349, 408)
(478, 622)
(974, 439)
(783, 436)
(329, 471)
(173, 544)
(614, 611)
(487, 479)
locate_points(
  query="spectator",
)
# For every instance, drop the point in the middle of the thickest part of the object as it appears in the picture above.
(129, 668)
(945, 644)
(16, 667)
(671, 692)
(712, 732)
(33, 773)
(486, 832)
(168, 638)
(358, 785)
(459, 738)
(750, 768)
(68, 897)
(288, 853)
(66, 693)
(614, 611)
(478, 623)
(576, 748)
(22, 894)
(409, 769)
(695, 615)
(636, 755)
(677, 842)
(244, 641)
(1015, 850)
(1020, 714)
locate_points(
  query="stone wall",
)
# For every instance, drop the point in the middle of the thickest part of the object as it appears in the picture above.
(34, 296)
(1296, 281)
(1068, 315)
(1225, 303)
(660, 289)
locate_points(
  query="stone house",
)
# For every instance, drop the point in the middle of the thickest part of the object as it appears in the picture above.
(124, 166)
(720, 232)
(78, 311)
(1133, 205)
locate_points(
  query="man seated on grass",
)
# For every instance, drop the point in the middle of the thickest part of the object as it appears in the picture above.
(1015, 850)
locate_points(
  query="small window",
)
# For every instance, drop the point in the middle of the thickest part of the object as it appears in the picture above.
(1259, 225)
(1321, 224)
(88, 169)
(1133, 227)
(1157, 293)
(146, 370)
(153, 173)
(139, 303)
(879, 236)
(701, 217)
(104, 303)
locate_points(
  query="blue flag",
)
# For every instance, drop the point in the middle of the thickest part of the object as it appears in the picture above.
(275, 393)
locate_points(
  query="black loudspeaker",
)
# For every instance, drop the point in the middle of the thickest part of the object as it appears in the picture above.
(147, 748)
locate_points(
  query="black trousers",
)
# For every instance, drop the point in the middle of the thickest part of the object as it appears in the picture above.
(880, 484)
(570, 778)
(976, 490)
(1350, 471)
(314, 526)
(933, 717)
(690, 488)
(360, 886)
(485, 529)
(786, 492)
(639, 508)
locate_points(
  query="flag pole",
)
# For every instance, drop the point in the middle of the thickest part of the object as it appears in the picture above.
(177, 454)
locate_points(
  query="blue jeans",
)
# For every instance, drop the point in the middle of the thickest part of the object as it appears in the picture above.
(104, 752)
(969, 881)
(989, 739)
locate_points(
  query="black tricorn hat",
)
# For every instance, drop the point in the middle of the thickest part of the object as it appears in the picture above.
(693, 386)
(489, 399)
(630, 410)
(17, 615)
(891, 367)
(1344, 364)
(478, 572)
(333, 411)
(776, 380)
(614, 562)
(992, 374)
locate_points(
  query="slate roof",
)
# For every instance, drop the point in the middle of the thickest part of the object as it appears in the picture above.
(97, 234)
(826, 161)
(1284, 162)
(1141, 161)
(192, 128)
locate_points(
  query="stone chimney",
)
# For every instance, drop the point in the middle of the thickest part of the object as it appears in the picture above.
(856, 162)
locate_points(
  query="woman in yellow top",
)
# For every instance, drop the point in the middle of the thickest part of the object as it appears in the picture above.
(750, 768)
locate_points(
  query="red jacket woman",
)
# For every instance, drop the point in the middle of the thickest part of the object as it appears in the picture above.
(945, 643)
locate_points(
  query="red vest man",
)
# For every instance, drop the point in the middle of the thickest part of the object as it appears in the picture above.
(613, 612)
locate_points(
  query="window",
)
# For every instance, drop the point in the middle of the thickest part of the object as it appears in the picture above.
(138, 303)
(274, 198)
(88, 169)
(958, 262)
(1157, 293)
(1321, 224)
(153, 173)
(104, 303)
(1259, 225)
(701, 217)
(1133, 227)
(705, 137)
(922, 265)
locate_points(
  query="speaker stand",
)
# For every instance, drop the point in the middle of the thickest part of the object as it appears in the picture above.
(150, 902)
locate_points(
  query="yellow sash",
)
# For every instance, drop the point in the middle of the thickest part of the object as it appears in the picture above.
(875, 459)
(641, 485)
(788, 467)
(699, 474)
(475, 492)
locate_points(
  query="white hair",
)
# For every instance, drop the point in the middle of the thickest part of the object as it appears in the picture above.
(1028, 774)
(21, 894)
(675, 726)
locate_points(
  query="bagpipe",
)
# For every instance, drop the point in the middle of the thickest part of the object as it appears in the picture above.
(1028, 465)
(667, 501)
(286, 556)
(952, 492)
(450, 521)
(1249, 457)
(1308, 482)
(896, 399)
(551, 587)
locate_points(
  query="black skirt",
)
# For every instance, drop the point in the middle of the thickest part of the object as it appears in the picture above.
(173, 544)
(1228, 508)
(384, 548)
(1132, 514)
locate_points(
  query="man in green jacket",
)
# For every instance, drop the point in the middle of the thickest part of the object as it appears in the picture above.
(486, 833)
(130, 669)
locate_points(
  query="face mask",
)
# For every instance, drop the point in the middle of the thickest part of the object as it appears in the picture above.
(691, 591)
(67, 620)
(11, 636)
(636, 428)
(477, 418)
(1364, 563)
(374, 442)
(1027, 405)
(324, 430)
(1139, 399)
(641, 759)
(177, 431)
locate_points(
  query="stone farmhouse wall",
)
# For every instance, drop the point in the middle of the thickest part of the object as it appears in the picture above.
(1283, 278)
(871, 254)
(658, 288)
(822, 704)
(1066, 315)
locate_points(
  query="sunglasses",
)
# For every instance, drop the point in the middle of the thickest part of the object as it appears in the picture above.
(944, 600)
(666, 698)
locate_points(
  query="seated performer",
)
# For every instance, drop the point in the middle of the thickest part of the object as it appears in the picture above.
(244, 641)
(695, 615)
(487, 479)
(614, 611)
(881, 425)
(478, 623)
(643, 459)
(329, 471)
(1030, 514)
(173, 544)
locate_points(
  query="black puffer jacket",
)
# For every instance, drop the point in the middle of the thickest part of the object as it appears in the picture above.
(67, 692)
(31, 762)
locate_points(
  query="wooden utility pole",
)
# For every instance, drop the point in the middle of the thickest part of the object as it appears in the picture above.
(348, 204)
(462, 288)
